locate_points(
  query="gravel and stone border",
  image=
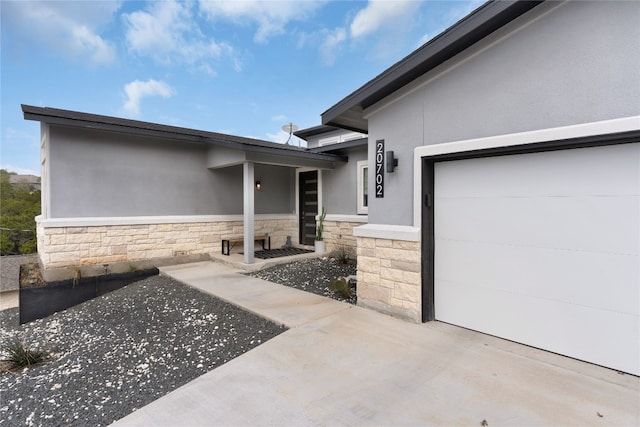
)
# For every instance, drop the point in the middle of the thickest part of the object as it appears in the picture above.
(119, 352)
(312, 275)
(123, 350)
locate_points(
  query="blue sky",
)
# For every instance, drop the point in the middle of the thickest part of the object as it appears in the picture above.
(239, 67)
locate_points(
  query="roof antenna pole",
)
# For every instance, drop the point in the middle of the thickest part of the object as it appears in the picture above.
(290, 128)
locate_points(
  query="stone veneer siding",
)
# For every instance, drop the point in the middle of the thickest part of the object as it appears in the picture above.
(389, 277)
(340, 234)
(75, 246)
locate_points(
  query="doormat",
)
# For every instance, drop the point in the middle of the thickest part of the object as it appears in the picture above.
(279, 253)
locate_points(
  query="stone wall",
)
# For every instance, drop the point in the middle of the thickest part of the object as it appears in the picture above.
(389, 277)
(340, 234)
(73, 246)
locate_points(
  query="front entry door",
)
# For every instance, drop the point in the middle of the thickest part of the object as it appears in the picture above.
(308, 208)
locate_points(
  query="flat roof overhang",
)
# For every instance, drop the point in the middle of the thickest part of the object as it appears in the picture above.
(316, 130)
(341, 146)
(255, 150)
(349, 112)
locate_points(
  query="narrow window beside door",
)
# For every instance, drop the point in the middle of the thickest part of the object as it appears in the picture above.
(363, 187)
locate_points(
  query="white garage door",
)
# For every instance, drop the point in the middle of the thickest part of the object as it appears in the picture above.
(542, 249)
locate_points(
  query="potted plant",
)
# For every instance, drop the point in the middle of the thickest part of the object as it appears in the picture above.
(319, 242)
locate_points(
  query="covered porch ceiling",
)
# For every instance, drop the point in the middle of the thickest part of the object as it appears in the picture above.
(222, 157)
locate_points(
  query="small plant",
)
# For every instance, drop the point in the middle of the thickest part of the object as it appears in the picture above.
(77, 275)
(341, 287)
(19, 357)
(341, 255)
(132, 267)
(30, 275)
(320, 227)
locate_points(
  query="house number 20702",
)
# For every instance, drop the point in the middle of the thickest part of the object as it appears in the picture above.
(379, 168)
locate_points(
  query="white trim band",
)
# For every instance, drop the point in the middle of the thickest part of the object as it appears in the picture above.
(145, 220)
(389, 232)
(347, 218)
(605, 127)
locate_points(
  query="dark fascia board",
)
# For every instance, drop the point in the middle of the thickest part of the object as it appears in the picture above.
(627, 137)
(348, 113)
(155, 130)
(329, 148)
(316, 130)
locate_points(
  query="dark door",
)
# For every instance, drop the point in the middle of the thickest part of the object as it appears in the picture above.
(308, 208)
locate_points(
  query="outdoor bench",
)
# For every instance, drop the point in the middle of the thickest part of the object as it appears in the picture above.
(230, 242)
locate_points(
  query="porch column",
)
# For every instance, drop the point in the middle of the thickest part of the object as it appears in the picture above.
(248, 204)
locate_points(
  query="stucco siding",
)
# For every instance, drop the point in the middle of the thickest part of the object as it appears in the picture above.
(101, 174)
(558, 65)
(340, 184)
(278, 190)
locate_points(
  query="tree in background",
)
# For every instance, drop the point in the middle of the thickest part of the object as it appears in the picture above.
(18, 208)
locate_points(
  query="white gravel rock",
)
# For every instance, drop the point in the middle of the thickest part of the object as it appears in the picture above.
(121, 351)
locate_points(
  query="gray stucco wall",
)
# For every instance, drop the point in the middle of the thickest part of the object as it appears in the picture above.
(339, 186)
(558, 65)
(278, 189)
(102, 174)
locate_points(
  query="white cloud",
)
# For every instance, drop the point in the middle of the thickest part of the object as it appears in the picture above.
(98, 49)
(450, 18)
(271, 17)
(168, 32)
(136, 90)
(279, 118)
(70, 28)
(388, 20)
(330, 47)
(382, 14)
(425, 38)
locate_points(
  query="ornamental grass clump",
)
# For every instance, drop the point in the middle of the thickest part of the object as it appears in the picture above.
(341, 287)
(341, 256)
(19, 357)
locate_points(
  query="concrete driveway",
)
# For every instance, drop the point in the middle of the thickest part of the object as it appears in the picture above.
(344, 365)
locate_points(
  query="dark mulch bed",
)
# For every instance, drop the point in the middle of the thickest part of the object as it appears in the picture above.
(121, 351)
(312, 275)
(279, 253)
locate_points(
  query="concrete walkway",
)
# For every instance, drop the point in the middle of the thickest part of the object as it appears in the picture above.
(343, 365)
(10, 278)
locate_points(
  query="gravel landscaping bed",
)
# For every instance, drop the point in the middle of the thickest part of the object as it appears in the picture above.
(119, 352)
(312, 275)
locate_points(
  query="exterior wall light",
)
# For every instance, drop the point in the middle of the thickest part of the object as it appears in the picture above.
(258, 186)
(392, 162)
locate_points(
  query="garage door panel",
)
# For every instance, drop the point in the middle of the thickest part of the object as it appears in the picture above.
(543, 249)
(558, 173)
(550, 222)
(565, 276)
(572, 333)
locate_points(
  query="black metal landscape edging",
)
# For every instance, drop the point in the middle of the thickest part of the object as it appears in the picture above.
(42, 301)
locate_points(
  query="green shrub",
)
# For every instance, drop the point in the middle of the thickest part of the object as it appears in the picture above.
(29, 247)
(341, 287)
(18, 208)
(19, 357)
(77, 275)
(320, 226)
(341, 255)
